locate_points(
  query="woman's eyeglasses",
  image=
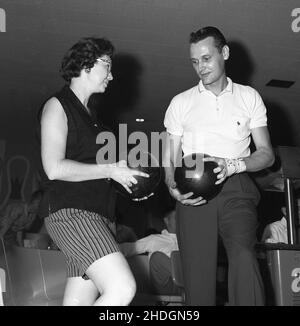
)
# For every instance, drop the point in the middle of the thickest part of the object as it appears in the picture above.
(107, 62)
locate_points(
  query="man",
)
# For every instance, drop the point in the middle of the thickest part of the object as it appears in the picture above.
(218, 117)
(159, 247)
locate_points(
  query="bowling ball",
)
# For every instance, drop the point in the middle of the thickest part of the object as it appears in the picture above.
(145, 162)
(194, 175)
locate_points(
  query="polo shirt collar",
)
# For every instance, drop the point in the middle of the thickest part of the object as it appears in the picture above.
(228, 88)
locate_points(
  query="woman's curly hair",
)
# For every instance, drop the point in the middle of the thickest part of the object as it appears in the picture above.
(83, 55)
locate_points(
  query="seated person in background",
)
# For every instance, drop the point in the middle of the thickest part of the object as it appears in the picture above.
(18, 216)
(276, 232)
(165, 242)
(124, 233)
(272, 223)
(159, 248)
(160, 263)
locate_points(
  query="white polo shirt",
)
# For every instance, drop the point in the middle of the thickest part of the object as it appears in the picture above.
(216, 125)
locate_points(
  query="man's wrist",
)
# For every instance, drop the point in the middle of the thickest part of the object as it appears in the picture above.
(235, 166)
(241, 165)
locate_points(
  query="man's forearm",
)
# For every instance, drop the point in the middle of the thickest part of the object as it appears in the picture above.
(261, 159)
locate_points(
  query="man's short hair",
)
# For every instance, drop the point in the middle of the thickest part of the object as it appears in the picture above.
(207, 31)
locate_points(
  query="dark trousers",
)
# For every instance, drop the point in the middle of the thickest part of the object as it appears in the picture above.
(232, 214)
(161, 274)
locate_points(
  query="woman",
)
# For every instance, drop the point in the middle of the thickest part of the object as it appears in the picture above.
(78, 193)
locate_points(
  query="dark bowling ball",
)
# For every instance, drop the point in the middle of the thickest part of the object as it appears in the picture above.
(197, 176)
(144, 186)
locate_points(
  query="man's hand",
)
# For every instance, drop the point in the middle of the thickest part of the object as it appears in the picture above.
(221, 170)
(185, 198)
(226, 167)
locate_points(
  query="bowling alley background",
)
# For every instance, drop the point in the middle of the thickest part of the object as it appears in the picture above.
(151, 64)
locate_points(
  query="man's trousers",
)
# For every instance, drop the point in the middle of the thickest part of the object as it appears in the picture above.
(232, 215)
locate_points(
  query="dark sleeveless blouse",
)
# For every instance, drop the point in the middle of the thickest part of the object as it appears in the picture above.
(92, 195)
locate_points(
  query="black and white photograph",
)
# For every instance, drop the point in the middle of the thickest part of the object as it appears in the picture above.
(149, 155)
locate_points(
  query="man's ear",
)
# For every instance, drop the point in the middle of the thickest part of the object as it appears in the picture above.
(225, 52)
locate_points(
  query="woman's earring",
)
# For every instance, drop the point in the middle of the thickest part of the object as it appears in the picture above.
(87, 70)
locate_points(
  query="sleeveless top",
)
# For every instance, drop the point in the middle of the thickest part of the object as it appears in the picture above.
(92, 195)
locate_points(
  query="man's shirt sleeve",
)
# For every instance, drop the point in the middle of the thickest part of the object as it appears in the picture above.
(173, 118)
(258, 111)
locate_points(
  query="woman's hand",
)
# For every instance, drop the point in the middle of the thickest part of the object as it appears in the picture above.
(122, 174)
(143, 198)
